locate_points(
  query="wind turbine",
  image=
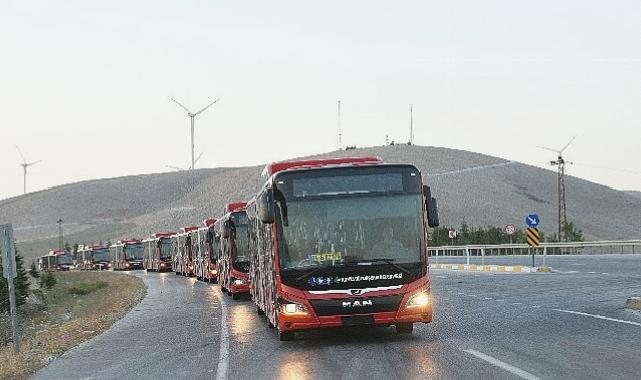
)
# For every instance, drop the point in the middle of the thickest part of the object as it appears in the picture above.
(192, 116)
(25, 165)
(560, 162)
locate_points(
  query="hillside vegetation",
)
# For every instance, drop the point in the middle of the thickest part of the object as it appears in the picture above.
(494, 192)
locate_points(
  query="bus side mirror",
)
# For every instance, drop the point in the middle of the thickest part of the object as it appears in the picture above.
(224, 229)
(432, 207)
(265, 207)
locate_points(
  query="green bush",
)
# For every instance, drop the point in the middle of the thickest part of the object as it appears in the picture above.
(83, 288)
(47, 280)
(33, 271)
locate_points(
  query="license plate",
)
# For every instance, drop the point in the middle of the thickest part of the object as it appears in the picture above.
(357, 320)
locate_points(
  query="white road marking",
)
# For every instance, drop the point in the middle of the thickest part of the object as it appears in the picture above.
(488, 298)
(535, 307)
(510, 368)
(592, 272)
(604, 273)
(223, 353)
(500, 300)
(517, 303)
(603, 317)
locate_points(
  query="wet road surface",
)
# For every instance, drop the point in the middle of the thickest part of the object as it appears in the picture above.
(569, 324)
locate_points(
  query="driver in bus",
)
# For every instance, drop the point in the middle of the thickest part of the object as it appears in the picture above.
(388, 247)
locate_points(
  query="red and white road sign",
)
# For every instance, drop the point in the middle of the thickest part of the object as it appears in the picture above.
(452, 234)
(510, 229)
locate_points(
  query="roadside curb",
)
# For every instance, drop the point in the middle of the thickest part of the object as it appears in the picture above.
(490, 268)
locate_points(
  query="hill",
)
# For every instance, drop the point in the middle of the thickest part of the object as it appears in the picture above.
(480, 189)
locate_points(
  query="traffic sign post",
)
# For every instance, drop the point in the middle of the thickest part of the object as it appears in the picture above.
(510, 230)
(452, 235)
(533, 239)
(9, 272)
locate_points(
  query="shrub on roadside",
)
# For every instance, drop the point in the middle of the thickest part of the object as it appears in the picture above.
(47, 280)
(33, 271)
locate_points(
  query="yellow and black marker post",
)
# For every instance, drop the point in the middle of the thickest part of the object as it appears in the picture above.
(533, 239)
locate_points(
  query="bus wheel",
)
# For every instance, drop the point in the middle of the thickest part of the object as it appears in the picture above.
(229, 293)
(259, 311)
(285, 336)
(404, 328)
(235, 296)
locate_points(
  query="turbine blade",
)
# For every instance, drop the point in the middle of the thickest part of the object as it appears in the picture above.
(33, 163)
(183, 107)
(550, 149)
(209, 105)
(567, 145)
(24, 160)
(198, 158)
(174, 167)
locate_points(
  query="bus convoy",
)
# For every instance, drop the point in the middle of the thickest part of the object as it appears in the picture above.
(325, 243)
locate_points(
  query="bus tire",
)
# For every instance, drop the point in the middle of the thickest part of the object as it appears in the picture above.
(229, 293)
(235, 296)
(259, 311)
(404, 328)
(286, 336)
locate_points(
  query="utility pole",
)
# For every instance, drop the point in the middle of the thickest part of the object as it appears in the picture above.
(562, 207)
(59, 221)
(9, 271)
(340, 127)
(192, 116)
(411, 126)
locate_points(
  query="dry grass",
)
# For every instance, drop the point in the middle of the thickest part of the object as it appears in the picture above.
(79, 307)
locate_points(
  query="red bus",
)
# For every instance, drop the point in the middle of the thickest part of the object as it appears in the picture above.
(340, 243)
(157, 256)
(183, 246)
(56, 260)
(94, 257)
(233, 262)
(206, 253)
(127, 254)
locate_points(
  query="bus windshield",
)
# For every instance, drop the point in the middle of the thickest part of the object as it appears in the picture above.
(366, 230)
(350, 216)
(100, 255)
(241, 241)
(65, 259)
(165, 249)
(134, 251)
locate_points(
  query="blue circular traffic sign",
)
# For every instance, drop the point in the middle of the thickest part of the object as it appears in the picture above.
(533, 220)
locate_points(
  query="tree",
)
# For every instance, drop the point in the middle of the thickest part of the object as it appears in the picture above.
(20, 282)
(67, 247)
(33, 271)
(570, 232)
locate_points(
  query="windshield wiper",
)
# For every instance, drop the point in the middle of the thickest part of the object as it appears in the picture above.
(387, 261)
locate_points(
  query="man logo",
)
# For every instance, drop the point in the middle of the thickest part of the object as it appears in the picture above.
(357, 303)
(356, 292)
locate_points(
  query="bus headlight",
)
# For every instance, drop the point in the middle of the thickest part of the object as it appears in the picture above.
(419, 299)
(293, 308)
(238, 281)
(213, 271)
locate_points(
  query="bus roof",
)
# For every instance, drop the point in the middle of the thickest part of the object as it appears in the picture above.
(189, 229)
(55, 252)
(235, 206)
(276, 167)
(159, 235)
(129, 241)
(210, 222)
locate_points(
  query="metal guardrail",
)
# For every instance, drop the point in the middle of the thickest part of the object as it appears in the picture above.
(584, 247)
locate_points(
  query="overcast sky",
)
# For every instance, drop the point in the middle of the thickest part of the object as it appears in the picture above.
(84, 84)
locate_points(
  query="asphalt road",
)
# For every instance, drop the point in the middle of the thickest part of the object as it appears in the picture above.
(569, 324)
